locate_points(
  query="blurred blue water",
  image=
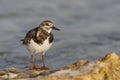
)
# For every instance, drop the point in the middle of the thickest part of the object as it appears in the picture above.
(89, 30)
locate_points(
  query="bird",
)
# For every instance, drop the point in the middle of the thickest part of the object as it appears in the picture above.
(39, 40)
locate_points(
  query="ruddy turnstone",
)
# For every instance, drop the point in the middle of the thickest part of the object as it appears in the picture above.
(39, 40)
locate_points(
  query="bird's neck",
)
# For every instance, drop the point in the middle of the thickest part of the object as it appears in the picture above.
(47, 30)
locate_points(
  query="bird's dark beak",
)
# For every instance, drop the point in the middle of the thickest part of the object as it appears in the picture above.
(54, 28)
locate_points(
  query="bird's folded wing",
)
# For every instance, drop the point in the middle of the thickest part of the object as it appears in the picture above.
(29, 36)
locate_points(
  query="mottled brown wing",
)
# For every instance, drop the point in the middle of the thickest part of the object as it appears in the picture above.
(29, 36)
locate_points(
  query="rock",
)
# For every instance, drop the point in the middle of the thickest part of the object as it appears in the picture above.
(107, 68)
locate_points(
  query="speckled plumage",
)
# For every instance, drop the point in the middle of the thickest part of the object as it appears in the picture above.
(31, 37)
(32, 34)
(39, 39)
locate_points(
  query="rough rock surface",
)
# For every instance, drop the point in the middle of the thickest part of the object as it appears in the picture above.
(107, 68)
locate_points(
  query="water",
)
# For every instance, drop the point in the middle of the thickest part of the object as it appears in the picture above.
(89, 30)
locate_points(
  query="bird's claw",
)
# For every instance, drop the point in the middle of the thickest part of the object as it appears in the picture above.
(44, 68)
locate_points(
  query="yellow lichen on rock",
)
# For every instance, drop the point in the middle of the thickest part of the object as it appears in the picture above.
(108, 69)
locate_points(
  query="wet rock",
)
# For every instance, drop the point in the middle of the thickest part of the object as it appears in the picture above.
(107, 68)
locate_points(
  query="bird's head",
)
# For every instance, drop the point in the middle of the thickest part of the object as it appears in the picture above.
(48, 26)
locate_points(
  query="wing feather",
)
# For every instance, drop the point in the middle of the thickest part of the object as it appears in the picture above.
(37, 35)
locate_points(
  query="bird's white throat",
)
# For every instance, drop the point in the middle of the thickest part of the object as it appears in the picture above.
(47, 29)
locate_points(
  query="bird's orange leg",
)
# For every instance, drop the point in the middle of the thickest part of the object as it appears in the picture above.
(33, 62)
(43, 62)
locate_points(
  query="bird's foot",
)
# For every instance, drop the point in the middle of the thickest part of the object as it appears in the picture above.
(34, 67)
(44, 68)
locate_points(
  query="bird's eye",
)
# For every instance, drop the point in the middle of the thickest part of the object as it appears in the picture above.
(47, 24)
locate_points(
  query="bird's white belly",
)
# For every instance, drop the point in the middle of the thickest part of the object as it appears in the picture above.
(37, 48)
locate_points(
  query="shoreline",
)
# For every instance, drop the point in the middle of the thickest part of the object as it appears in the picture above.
(106, 68)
